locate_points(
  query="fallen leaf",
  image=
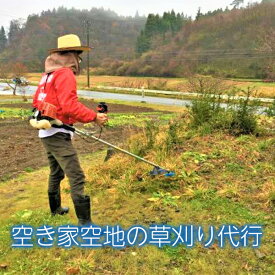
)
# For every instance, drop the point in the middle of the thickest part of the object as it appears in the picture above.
(153, 199)
(3, 266)
(246, 267)
(72, 270)
(112, 190)
(176, 197)
(27, 214)
(259, 254)
(95, 200)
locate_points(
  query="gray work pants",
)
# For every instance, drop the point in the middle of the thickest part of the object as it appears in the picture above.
(63, 160)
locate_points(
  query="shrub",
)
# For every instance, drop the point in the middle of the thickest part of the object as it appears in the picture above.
(172, 135)
(244, 115)
(238, 117)
(203, 109)
(208, 102)
(270, 111)
(151, 129)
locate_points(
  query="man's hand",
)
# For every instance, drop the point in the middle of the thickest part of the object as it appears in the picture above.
(101, 119)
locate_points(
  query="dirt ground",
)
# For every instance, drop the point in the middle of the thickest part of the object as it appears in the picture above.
(21, 149)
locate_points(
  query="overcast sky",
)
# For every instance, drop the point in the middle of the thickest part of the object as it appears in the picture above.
(14, 9)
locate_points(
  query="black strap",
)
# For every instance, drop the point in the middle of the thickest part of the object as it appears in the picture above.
(64, 126)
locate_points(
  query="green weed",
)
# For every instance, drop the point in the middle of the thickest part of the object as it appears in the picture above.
(234, 167)
(29, 169)
(15, 112)
(266, 144)
(165, 198)
(136, 119)
(189, 176)
(195, 156)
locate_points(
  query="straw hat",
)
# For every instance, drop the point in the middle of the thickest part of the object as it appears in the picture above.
(69, 42)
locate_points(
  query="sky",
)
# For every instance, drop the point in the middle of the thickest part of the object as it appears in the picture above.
(15, 9)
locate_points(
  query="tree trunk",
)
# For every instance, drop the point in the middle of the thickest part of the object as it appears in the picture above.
(14, 90)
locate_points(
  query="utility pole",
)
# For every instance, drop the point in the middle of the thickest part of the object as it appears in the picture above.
(87, 24)
(88, 56)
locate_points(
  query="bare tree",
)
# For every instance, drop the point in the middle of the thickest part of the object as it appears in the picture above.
(12, 75)
(268, 46)
(207, 85)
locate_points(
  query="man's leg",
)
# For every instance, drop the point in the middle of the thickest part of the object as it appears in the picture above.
(55, 177)
(73, 171)
(61, 148)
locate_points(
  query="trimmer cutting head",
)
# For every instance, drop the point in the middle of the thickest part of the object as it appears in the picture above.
(160, 171)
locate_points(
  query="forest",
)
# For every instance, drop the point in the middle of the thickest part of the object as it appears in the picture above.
(111, 36)
(237, 43)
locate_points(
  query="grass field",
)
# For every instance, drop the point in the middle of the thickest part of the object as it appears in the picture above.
(173, 84)
(219, 179)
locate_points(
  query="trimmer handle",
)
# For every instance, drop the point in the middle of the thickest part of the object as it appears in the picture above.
(102, 108)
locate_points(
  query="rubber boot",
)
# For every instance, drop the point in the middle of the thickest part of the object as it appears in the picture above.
(55, 204)
(83, 210)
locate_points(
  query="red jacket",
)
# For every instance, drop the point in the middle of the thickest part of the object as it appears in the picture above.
(59, 89)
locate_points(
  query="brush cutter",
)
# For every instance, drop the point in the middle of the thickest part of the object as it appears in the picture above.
(46, 118)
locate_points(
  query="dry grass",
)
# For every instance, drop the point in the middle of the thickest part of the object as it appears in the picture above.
(175, 84)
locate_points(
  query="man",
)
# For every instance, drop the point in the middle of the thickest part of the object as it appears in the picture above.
(57, 89)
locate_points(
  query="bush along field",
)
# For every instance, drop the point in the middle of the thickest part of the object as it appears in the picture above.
(224, 175)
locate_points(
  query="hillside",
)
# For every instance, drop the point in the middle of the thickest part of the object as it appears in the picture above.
(110, 35)
(230, 43)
